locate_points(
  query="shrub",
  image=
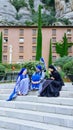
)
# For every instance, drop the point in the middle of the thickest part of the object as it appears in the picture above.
(2, 69)
(68, 67)
(8, 67)
(62, 60)
(18, 4)
(30, 65)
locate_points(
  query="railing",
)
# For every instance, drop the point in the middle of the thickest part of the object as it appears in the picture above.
(9, 77)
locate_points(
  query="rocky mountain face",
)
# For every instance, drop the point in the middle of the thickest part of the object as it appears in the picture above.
(64, 9)
(10, 16)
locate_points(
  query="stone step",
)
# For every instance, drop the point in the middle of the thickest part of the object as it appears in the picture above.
(42, 117)
(11, 86)
(65, 88)
(7, 85)
(18, 124)
(68, 94)
(62, 93)
(6, 91)
(4, 129)
(50, 100)
(49, 108)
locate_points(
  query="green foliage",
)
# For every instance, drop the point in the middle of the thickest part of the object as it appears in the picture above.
(28, 23)
(49, 2)
(62, 48)
(18, 16)
(62, 73)
(65, 21)
(2, 69)
(62, 60)
(35, 18)
(48, 19)
(8, 67)
(47, 75)
(50, 54)
(39, 37)
(31, 3)
(30, 65)
(68, 67)
(18, 4)
(1, 47)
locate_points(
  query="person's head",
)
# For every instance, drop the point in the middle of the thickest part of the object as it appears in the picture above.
(22, 71)
(38, 68)
(51, 68)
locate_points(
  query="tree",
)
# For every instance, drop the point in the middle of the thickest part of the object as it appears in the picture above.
(1, 47)
(31, 3)
(49, 2)
(39, 36)
(62, 47)
(18, 4)
(50, 54)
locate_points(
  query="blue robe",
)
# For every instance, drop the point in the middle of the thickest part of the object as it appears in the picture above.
(37, 76)
(22, 86)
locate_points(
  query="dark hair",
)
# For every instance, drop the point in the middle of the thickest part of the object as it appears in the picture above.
(52, 67)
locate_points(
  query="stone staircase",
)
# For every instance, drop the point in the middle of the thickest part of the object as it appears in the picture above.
(36, 113)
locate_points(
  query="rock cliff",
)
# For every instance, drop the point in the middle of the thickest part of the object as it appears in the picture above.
(10, 16)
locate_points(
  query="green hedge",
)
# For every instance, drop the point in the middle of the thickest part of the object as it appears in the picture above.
(2, 69)
(68, 67)
(8, 67)
(30, 65)
(62, 60)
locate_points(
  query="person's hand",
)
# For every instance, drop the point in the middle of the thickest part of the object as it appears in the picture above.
(52, 78)
(36, 82)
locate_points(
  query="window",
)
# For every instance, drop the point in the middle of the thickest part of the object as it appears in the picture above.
(54, 39)
(5, 31)
(53, 31)
(68, 31)
(5, 58)
(21, 32)
(5, 48)
(34, 32)
(33, 48)
(34, 40)
(70, 49)
(21, 39)
(5, 39)
(21, 58)
(53, 58)
(21, 49)
(33, 57)
(53, 48)
(69, 39)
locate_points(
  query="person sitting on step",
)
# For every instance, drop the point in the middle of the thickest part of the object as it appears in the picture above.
(21, 86)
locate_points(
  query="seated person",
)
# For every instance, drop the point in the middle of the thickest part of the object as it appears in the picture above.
(52, 86)
(37, 78)
(21, 86)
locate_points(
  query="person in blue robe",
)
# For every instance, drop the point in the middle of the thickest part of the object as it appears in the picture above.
(21, 86)
(37, 78)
